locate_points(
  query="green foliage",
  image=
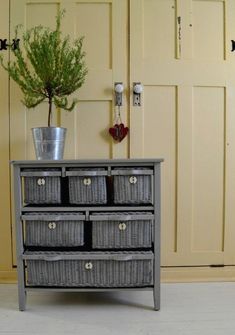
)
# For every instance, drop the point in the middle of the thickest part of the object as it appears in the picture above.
(51, 67)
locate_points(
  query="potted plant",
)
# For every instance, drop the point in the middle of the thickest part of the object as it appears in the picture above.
(49, 68)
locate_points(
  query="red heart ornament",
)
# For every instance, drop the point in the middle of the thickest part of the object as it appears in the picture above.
(118, 132)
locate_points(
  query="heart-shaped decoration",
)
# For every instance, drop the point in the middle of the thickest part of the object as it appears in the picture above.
(118, 132)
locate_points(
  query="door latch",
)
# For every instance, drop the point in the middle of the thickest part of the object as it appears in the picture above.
(118, 89)
(137, 90)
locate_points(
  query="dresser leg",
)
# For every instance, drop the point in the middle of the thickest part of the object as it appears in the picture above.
(22, 300)
(156, 298)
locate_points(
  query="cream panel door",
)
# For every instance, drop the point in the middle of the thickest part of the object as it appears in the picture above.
(104, 27)
(185, 65)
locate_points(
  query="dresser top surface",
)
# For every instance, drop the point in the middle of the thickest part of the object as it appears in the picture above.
(88, 161)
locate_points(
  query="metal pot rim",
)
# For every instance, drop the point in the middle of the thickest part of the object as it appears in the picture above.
(48, 128)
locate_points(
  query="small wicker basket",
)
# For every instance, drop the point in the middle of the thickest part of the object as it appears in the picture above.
(118, 270)
(54, 229)
(87, 186)
(42, 186)
(132, 186)
(125, 230)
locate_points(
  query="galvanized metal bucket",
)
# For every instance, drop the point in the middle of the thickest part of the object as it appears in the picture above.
(49, 142)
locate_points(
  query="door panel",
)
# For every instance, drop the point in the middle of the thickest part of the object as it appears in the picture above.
(208, 169)
(208, 29)
(161, 138)
(159, 27)
(100, 14)
(38, 12)
(90, 121)
(184, 119)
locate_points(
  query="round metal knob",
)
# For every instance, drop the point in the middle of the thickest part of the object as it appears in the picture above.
(122, 226)
(87, 181)
(88, 266)
(52, 225)
(41, 181)
(133, 180)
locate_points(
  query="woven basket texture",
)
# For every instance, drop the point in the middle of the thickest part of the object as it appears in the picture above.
(108, 234)
(49, 193)
(95, 193)
(67, 233)
(128, 193)
(104, 273)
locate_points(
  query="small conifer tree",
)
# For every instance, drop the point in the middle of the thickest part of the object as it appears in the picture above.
(50, 68)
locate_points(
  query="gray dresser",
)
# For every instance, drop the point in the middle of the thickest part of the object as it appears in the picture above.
(88, 225)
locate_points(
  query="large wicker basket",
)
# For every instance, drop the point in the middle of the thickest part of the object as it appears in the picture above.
(42, 186)
(100, 269)
(54, 229)
(121, 230)
(132, 186)
(87, 186)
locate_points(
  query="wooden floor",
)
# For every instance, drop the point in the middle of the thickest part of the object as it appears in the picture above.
(187, 309)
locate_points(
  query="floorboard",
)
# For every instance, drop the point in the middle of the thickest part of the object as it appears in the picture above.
(187, 308)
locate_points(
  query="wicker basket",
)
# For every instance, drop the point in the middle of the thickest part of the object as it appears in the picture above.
(125, 230)
(87, 186)
(90, 269)
(42, 186)
(132, 186)
(54, 229)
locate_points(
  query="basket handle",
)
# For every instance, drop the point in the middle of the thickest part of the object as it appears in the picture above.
(52, 258)
(121, 217)
(129, 172)
(41, 174)
(123, 258)
(120, 258)
(86, 173)
(50, 217)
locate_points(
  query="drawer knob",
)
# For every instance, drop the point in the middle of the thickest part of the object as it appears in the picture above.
(133, 180)
(52, 225)
(122, 226)
(88, 266)
(41, 181)
(87, 181)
